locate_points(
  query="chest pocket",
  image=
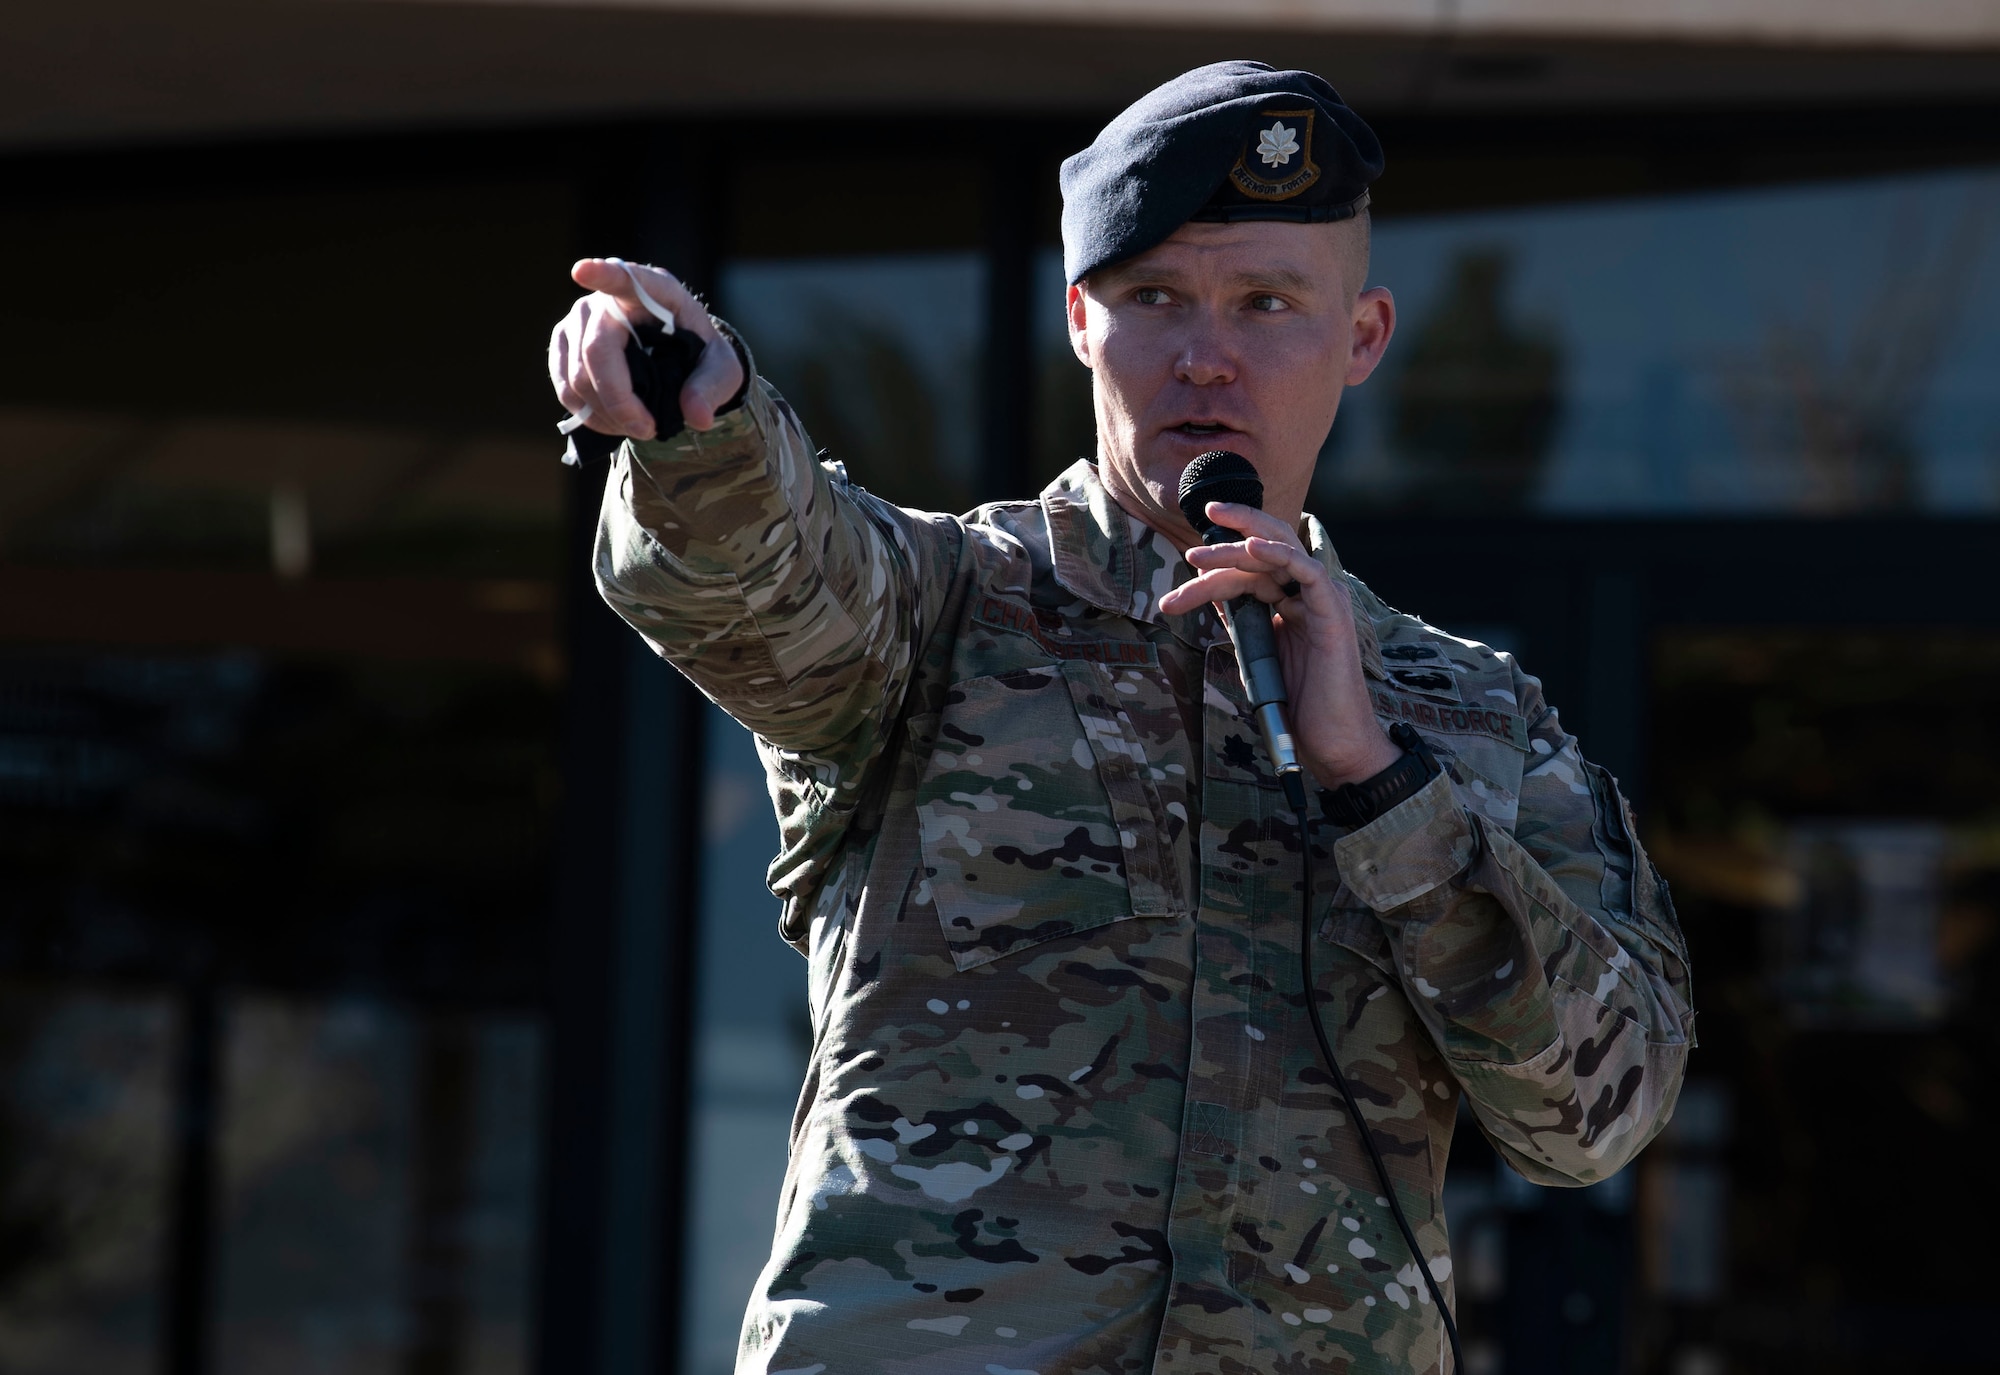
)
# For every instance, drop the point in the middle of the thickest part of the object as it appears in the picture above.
(1053, 802)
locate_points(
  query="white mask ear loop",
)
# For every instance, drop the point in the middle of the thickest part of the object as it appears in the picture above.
(570, 424)
(659, 312)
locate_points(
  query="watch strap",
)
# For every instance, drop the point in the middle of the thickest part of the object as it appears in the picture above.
(1357, 804)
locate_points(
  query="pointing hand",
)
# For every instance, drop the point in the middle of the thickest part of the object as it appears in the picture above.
(587, 350)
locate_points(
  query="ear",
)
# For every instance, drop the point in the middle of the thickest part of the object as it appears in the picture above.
(1079, 336)
(1374, 323)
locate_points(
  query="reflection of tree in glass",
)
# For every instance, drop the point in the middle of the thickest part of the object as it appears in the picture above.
(867, 403)
(1474, 406)
(1847, 416)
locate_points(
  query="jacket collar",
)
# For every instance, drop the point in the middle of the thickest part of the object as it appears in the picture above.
(1117, 563)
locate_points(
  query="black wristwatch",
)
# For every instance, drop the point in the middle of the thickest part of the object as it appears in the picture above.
(1357, 804)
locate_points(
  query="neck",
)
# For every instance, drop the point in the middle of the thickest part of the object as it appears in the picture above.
(1161, 510)
(1156, 510)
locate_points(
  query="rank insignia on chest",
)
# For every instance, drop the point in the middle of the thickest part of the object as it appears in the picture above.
(1276, 163)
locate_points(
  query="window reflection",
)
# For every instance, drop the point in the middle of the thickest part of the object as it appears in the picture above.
(84, 1163)
(1474, 404)
(277, 719)
(280, 824)
(1808, 350)
(293, 498)
(1822, 807)
(379, 1178)
(880, 356)
(751, 1041)
(154, 807)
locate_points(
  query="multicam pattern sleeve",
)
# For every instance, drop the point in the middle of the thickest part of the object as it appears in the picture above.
(1543, 958)
(796, 602)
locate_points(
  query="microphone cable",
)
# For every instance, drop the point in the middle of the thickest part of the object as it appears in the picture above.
(1295, 793)
(1220, 475)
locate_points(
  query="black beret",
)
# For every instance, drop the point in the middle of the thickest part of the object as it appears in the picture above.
(1229, 141)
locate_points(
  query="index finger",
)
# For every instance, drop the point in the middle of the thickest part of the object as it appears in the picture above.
(624, 282)
(1251, 521)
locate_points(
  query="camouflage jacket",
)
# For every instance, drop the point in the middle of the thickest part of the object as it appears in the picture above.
(1063, 1111)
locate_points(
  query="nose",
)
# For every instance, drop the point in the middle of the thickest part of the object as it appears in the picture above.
(1204, 360)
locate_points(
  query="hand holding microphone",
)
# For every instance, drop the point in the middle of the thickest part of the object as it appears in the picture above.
(1246, 567)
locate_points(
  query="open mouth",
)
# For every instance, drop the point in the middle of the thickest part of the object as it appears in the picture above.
(1192, 428)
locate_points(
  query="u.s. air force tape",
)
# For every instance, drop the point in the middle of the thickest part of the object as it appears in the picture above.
(1453, 720)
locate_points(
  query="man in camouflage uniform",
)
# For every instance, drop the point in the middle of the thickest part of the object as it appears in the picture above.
(1063, 1112)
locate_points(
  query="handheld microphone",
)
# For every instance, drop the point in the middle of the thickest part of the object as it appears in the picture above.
(1223, 476)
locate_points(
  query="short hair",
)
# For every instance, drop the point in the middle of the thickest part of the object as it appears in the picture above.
(1358, 248)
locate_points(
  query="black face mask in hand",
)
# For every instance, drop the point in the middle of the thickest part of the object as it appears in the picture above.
(660, 363)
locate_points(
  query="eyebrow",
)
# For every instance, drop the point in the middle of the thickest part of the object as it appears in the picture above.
(1279, 279)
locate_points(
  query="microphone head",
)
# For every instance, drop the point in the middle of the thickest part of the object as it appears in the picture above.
(1218, 476)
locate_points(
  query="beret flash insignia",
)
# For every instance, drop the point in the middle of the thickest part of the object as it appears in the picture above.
(1280, 153)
